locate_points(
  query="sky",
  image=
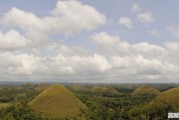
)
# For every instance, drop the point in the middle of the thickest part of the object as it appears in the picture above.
(90, 41)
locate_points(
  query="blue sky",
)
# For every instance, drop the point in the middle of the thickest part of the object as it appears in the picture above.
(124, 40)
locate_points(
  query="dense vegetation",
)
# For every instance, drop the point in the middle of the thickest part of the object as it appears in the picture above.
(14, 105)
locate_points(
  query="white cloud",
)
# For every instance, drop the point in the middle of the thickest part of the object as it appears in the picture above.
(145, 17)
(113, 45)
(69, 51)
(137, 64)
(126, 22)
(33, 67)
(174, 30)
(33, 56)
(42, 66)
(135, 8)
(68, 18)
(145, 47)
(114, 61)
(140, 60)
(155, 33)
(142, 69)
(12, 40)
(8, 60)
(110, 44)
(173, 46)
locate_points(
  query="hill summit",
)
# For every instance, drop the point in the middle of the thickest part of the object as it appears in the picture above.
(146, 90)
(81, 88)
(167, 98)
(57, 101)
(108, 90)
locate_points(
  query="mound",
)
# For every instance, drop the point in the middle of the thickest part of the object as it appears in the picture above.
(167, 98)
(42, 87)
(57, 101)
(146, 90)
(19, 88)
(80, 88)
(76, 87)
(108, 90)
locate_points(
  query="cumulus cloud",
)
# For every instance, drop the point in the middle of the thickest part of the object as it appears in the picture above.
(155, 33)
(114, 45)
(126, 22)
(174, 30)
(135, 8)
(8, 60)
(140, 60)
(68, 18)
(12, 40)
(32, 67)
(115, 60)
(69, 51)
(148, 50)
(174, 46)
(146, 17)
(137, 65)
(110, 44)
(32, 55)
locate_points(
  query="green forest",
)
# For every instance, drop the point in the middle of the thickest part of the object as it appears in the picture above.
(106, 105)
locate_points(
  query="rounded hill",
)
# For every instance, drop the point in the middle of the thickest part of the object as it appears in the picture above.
(81, 88)
(146, 90)
(57, 101)
(107, 90)
(167, 98)
(42, 87)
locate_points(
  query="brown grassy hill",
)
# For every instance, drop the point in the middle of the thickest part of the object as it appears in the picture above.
(99, 89)
(80, 88)
(42, 87)
(19, 88)
(57, 101)
(169, 97)
(76, 87)
(146, 90)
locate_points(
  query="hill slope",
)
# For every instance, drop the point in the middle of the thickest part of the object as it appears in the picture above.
(42, 87)
(146, 90)
(169, 97)
(81, 88)
(57, 101)
(98, 89)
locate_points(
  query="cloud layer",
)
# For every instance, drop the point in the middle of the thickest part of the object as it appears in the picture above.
(28, 51)
(114, 61)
